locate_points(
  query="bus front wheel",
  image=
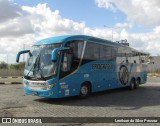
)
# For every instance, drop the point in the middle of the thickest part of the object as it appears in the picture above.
(84, 90)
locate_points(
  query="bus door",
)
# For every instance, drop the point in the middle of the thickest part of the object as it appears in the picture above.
(69, 73)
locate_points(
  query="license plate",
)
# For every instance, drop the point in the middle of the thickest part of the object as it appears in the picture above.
(34, 93)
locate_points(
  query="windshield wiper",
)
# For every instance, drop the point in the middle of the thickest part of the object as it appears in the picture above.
(40, 71)
(33, 68)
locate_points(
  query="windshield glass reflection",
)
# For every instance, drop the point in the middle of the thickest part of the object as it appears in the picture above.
(39, 65)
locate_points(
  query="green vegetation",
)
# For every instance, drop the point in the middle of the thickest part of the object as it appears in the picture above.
(19, 66)
(11, 69)
(3, 65)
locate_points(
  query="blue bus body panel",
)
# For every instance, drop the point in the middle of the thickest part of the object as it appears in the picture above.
(63, 39)
(87, 74)
(70, 85)
(100, 79)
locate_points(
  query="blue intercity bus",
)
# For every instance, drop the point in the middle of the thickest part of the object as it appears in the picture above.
(73, 65)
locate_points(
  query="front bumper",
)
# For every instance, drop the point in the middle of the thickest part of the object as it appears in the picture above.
(41, 93)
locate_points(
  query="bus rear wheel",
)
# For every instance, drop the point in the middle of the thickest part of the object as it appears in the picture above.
(132, 84)
(84, 90)
(137, 83)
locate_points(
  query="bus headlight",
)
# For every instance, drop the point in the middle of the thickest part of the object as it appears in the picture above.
(25, 82)
(38, 85)
(51, 85)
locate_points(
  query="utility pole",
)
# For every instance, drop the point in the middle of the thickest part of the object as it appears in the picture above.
(112, 35)
(112, 31)
(7, 64)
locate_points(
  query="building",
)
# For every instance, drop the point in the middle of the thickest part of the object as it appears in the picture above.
(154, 66)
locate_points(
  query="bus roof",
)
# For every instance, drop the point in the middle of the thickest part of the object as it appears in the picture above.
(65, 38)
(60, 39)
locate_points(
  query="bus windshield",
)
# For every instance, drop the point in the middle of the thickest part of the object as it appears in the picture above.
(39, 65)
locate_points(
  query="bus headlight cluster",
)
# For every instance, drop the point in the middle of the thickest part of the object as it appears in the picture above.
(48, 86)
(38, 85)
(51, 85)
(25, 82)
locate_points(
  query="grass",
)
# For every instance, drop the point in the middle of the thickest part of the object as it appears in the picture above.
(154, 74)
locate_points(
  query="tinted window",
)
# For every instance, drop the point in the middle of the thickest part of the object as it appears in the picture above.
(94, 51)
(76, 48)
(71, 59)
(114, 53)
(105, 53)
(91, 51)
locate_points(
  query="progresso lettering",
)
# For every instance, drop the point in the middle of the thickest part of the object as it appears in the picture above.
(102, 66)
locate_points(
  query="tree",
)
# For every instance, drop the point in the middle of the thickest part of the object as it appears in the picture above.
(19, 66)
(3, 65)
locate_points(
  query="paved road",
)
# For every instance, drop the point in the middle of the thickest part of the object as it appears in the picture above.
(142, 102)
(13, 79)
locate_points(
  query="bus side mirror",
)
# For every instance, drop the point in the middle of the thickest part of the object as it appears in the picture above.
(21, 52)
(55, 53)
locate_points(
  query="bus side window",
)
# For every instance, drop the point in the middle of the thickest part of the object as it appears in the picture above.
(71, 58)
(67, 62)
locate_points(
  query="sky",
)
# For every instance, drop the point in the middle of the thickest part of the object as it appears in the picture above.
(22, 22)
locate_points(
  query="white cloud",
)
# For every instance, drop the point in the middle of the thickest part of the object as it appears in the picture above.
(40, 22)
(124, 34)
(11, 45)
(9, 10)
(47, 22)
(143, 12)
(13, 21)
(123, 25)
(148, 42)
(50, 23)
(16, 27)
(105, 4)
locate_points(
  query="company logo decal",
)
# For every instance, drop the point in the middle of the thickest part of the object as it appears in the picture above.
(123, 75)
(102, 66)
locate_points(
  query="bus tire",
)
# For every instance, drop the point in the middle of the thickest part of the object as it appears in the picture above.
(137, 82)
(85, 90)
(132, 84)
